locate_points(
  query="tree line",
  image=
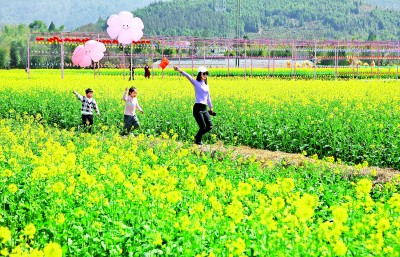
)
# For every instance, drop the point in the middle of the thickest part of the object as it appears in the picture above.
(14, 40)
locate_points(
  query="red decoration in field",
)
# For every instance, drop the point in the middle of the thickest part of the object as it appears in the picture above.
(84, 55)
(77, 41)
(164, 63)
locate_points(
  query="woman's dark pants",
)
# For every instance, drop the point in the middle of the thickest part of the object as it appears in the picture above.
(203, 119)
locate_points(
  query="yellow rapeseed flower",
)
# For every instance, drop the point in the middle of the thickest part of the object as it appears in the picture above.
(183, 152)
(235, 210)
(30, 230)
(340, 248)
(113, 149)
(210, 186)
(60, 218)
(309, 200)
(58, 187)
(272, 188)
(340, 214)
(203, 171)
(116, 174)
(70, 160)
(5, 234)
(7, 173)
(4, 252)
(185, 222)
(394, 202)
(238, 246)
(190, 183)
(97, 226)
(383, 225)
(36, 253)
(174, 196)
(157, 239)
(40, 172)
(244, 188)
(330, 159)
(314, 157)
(364, 186)
(211, 254)
(12, 188)
(52, 250)
(192, 168)
(79, 213)
(304, 212)
(287, 185)
(277, 203)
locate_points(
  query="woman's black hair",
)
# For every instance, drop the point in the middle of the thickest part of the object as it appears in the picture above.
(198, 78)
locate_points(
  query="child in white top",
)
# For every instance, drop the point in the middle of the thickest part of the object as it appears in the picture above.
(131, 104)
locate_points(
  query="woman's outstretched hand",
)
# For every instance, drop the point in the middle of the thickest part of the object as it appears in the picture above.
(177, 68)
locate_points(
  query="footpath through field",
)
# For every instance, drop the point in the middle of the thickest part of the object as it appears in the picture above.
(266, 157)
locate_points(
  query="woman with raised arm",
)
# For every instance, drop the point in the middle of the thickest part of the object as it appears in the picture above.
(202, 93)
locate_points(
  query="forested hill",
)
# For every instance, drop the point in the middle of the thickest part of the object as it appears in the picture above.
(306, 19)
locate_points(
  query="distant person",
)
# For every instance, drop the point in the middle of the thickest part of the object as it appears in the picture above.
(147, 71)
(88, 105)
(130, 118)
(202, 93)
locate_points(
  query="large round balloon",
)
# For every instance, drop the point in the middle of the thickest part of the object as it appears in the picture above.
(84, 55)
(124, 27)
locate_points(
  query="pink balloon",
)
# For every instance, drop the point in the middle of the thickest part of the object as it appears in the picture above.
(84, 55)
(78, 56)
(124, 27)
(96, 50)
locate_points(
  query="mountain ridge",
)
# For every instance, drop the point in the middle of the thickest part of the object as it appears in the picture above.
(70, 13)
(308, 19)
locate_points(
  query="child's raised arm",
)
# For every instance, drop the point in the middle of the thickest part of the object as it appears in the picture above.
(78, 96)
(124, 96)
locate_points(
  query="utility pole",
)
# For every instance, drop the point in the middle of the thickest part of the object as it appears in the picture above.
(237, 31)
(28, 67)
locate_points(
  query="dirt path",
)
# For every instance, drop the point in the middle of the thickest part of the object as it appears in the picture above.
(264, 156)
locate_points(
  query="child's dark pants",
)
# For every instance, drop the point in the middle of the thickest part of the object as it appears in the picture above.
(87, 121)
